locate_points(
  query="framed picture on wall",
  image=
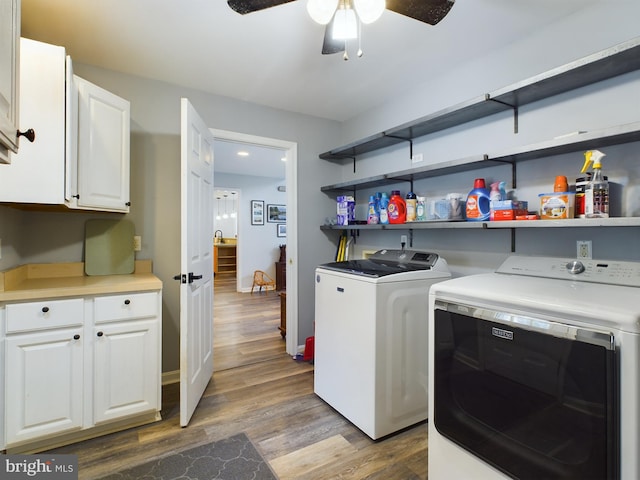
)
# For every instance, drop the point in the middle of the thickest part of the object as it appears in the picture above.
(257, 212)
(276, 213)
(282, 229)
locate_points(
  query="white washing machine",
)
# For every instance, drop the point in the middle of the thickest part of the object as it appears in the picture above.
(371, 328)
(535, 372)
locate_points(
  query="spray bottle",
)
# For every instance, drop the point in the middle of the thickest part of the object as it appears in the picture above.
(596, 191)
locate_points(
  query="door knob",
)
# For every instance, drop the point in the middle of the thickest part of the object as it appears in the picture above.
(193, 277)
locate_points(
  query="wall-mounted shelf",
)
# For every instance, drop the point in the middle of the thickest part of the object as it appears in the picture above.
(609, 63)
(572, 223)
(584, 141)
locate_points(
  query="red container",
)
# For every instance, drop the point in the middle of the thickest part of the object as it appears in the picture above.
(397, 208)
(309, 349)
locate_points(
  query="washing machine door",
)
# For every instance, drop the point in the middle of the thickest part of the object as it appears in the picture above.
(532, 397)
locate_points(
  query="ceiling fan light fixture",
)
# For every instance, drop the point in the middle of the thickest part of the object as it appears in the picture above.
(321, 11)
(345, 24)
(369, 10)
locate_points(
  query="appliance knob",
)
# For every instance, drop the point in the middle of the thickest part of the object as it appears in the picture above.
(575, 267)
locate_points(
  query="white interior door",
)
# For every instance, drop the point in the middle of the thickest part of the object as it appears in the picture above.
(196, 260)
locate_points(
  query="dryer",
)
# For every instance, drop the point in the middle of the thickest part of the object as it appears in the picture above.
(534, 372)
(371, 324)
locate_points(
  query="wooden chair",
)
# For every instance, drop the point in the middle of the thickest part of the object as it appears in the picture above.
(261, 279)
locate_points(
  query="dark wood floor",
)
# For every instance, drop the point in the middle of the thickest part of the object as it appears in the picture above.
(260, 390)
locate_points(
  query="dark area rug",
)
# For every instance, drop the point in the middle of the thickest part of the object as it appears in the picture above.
(234, 458)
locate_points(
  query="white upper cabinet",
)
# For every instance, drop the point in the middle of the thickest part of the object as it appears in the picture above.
(80, 157)
(9, 60)
(103, 149)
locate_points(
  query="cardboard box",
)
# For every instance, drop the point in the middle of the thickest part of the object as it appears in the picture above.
(346, 210)
(498, 215)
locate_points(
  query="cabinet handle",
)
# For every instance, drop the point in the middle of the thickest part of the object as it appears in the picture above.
(28, 134)
(76, 337)
(45, 309)
(75, 196)
(100, 334)
(127, 301)
(128, 204)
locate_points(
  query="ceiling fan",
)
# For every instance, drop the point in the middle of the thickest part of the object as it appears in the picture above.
(327, 12)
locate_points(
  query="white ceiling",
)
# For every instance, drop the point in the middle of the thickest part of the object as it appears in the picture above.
(261, 161)
(272, 57)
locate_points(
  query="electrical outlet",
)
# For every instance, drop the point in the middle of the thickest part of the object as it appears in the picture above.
(403, 240)
(584, 249)
(137, 243)
(416, 158)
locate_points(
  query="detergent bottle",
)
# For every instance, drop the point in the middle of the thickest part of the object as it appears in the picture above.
(596, 191)
(384, 205)
(373, 217)
(412, 207)
(397, 209)
(478, 202)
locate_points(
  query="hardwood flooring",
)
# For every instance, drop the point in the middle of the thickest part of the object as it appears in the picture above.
(260, 390)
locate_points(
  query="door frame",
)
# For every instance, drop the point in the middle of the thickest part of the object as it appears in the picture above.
(291, 153)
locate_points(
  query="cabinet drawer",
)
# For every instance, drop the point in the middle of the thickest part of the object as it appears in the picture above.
(126, 307)
(44, 314)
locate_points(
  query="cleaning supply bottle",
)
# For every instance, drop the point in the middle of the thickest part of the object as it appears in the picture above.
(503, 190)
(384, 204)
(397, 209)
(596, 191)
(412, 207)
(421, 212)
(560, 184)
(373, 216)
(495, 195)
(477, 208)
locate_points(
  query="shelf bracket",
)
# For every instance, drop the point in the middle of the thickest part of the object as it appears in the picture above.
(513, 168)
(513, 240)
(512, 107)
(406, 140)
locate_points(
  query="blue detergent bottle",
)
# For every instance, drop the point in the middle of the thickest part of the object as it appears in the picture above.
(384, 203)
(478, 206)
(373, 217)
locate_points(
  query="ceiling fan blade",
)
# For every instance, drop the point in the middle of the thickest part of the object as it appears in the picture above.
(330, 45)
(427, 11)
(247, 6)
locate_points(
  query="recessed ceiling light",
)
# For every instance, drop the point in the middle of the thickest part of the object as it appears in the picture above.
(242, 153)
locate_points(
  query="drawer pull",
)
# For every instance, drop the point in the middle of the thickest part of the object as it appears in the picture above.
(45, 309)
(127, 301)
(100, 334)
(76, 337)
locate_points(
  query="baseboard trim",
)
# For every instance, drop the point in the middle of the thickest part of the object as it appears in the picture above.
(171, 377)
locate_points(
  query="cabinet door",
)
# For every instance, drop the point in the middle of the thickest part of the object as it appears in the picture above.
(44, 373)
(9, 61)
(36, 174)
(126, 369)
(103, 149)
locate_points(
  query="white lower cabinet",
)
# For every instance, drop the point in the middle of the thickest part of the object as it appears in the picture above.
(76, 365)
(126, 361)
(44, 379)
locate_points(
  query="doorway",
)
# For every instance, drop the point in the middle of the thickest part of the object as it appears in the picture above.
(289, 152)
